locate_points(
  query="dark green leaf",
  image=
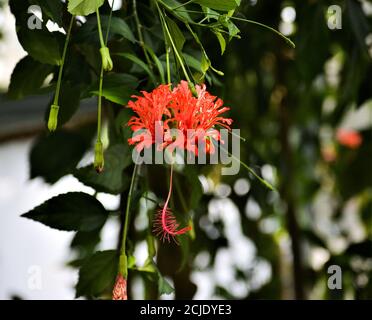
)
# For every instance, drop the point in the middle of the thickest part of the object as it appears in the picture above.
(140, 63)
(176, 33)
(42, 45)
(53, 9)
(112, 179)
(74, 211)
(118, 88)
(56, 155)
(180, 12)
(118, 26)
(86, 241)
(28, 76)
(97, 274)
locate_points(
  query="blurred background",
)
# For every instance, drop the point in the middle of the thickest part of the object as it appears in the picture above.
(306, 115)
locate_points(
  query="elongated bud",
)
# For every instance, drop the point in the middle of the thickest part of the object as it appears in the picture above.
(106, 59)
(123, 265)
(98, 156)
(120, 289)
(53, 118)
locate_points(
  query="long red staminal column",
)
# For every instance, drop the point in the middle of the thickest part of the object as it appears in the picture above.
(165, 223)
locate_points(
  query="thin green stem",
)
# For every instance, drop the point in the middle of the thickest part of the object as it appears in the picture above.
(167, 49)
(109, 22)
(127, 212)
(102, 42)
(263, 181)
(99, 111)
(140, 35)
(184, 4)
(173, 44)
(286, 39)
(59, 81)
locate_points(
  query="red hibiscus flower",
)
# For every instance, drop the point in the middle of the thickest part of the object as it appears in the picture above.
(194, 119)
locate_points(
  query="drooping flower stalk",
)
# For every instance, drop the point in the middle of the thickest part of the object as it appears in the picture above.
(165, 223)
(106, 65)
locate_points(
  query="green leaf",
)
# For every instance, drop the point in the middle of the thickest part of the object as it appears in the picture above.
(84, 7)
(179, 13)
(158, 63)
(118, 26)
(97, 274)
(86, 241)
(192, 62)
(42, 45)
(223, 5)
(176, 33)
(140, 63)
(118, 87)
(53, 9)
(89, 30)
(112, 179)
(164, 286)
(205, 64)
(154, 273)
(73, 211)
(27, 78)
(56, 155)
(221, 40)
(233, 29)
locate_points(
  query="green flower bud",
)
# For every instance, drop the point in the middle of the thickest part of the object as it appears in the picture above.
(53, 118)
(106, 59)
(123, 265)
(98, 156)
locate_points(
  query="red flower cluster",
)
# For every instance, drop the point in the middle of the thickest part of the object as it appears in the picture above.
(194, 117)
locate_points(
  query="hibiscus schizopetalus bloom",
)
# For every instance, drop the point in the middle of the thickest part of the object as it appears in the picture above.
(178, 109)
(194, 119)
